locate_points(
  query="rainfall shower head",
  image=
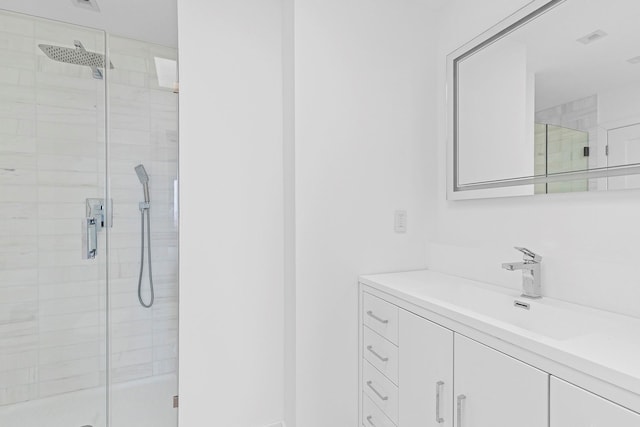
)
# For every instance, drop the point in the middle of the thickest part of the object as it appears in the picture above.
(77, 56)
(144, 180)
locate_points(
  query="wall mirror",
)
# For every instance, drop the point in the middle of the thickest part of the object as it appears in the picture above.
(547, 101)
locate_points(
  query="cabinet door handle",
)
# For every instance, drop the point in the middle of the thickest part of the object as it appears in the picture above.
(370, 313)
(369, 383)
(370, 348)
(439, 385)
(460, 398)
(369, 418)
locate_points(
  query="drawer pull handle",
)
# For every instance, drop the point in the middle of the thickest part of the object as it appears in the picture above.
(370, 348)
(459, 405)
(384, 321)
(369, 418)
(439, 385)
(376, 391)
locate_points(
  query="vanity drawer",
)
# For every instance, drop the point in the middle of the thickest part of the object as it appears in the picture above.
(372, 416)
(380, 353)
(380, 390)
(381, 316)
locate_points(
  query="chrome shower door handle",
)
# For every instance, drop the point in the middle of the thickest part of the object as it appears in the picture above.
(89, 238)
(369, 418)
(439, 385)
(460, 399)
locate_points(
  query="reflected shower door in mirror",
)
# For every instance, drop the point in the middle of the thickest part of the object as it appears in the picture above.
(548, 101)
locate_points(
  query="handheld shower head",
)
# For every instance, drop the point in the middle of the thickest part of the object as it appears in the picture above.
(144, 180)
(142, 174)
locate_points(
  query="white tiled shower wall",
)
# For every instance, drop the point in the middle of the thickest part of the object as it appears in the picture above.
(52, 157)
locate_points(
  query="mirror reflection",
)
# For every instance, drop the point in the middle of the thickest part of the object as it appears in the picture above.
(552, 95)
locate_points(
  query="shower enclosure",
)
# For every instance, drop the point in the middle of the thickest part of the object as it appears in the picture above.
(79, 111)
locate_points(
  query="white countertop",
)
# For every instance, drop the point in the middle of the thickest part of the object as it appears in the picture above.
(597, 343)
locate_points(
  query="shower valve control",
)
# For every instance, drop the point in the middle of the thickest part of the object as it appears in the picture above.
(96, 219)
(97, 209)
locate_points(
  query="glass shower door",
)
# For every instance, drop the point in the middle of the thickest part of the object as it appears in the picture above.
(53, 235)
(143, 279)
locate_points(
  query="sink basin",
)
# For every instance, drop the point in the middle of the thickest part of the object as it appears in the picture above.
(495, 305)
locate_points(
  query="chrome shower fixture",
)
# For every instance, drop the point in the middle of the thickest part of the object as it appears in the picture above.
(144, 180)
(144, 209)
(77, 56)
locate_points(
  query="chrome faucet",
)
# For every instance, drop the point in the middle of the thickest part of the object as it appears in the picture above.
(530, 267)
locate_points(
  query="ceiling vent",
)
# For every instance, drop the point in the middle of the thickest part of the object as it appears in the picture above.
(87, 4)
(592, 37)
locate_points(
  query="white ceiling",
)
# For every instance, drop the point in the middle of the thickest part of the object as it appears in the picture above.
(149, 20)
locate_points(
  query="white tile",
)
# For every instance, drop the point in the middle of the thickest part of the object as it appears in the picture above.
(67, 290)
(75, 132)
(65, 322)
(129, 328)
(18, 177)
(69, 98)
(69, 305)
(129, 314)
(76, 335)
(131, 358)
(78, 80)
(67, 163)
(65, 385)
(10, 278)
(10, 210)
(69, 368)
(130, 373)
(21, 60)
(19, 294)
(18, 227)
(18, 344)
(19, 393)
(17, 24)
(16, 110)
(17, 76)
(17, 143)
(17, 93)
(167, 366)
(18, 329)
(130, 343)
(69, 353)
(20, 360)
(15, 161)
(84, 273)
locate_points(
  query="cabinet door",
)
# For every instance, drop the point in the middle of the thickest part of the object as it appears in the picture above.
(495, 390)
(425, 372)
(574, 407)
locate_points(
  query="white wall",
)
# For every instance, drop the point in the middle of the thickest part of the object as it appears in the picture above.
(485, 154)
(231, 235)
(588, 240)
(364, 122)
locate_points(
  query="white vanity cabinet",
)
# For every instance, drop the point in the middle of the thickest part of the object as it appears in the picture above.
(425, 372)
(495, 390)
(572, 406)
(442, 351)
